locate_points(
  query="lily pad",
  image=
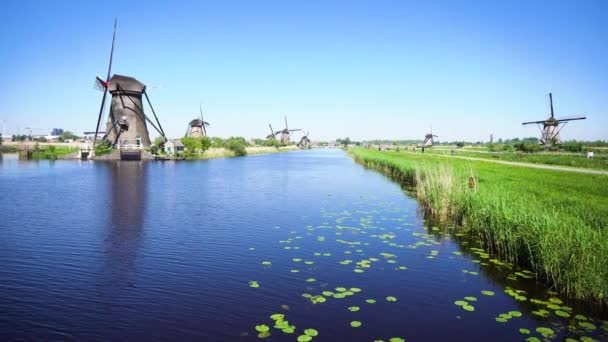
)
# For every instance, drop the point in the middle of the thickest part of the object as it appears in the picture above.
(515, 313)
(262, 328)
(353, 308)
(266, 263)
(355, 324)
(311, 332)
(469, 307)
(370, 301)
(391, 299)
(304, 338)
(524, 331)
(471, 299)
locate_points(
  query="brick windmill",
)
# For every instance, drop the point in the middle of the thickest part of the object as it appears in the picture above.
(286, 132)
(196, 127)
(126, 127)
(304, 142)
(428, 140)
(550, 127)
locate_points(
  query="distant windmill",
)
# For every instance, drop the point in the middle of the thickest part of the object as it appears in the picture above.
(273, 134)
(428, 139)
(196, 127)
(285, 133)
(304, 142)
(126, 127)
(550, 128)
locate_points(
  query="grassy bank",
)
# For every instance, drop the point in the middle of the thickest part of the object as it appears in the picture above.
(555, 222)
(600, 162)
(221, 152)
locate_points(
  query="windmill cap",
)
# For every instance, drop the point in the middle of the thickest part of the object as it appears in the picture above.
(126, 83)
(196, 123)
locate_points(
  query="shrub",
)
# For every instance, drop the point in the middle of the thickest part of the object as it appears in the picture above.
(102, 147)
(236, 145)
(205, 143)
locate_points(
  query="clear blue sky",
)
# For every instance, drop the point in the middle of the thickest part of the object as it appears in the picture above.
(364, 69)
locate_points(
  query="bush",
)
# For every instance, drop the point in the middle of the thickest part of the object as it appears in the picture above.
(205, 143)
(572, 146)
(460, 144)
(236, 145)
(527, 147)
(217, 142)
(102, 147)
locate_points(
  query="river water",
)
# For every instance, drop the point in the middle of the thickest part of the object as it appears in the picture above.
(209, 250)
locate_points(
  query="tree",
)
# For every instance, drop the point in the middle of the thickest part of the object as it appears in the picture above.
(205, 143)
(0, 139)
(217, 142)
(236, 145)
(67, 135)
(159, 141)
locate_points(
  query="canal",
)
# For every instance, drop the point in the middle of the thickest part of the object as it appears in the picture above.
(210, 250)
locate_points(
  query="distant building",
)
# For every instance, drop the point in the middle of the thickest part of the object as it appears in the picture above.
(90, 135)
(174, 146)
(57, 131)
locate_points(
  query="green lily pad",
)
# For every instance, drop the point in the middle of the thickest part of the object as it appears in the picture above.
(355, 289)
(353, 308)
(562, 313)
(262, 328)
(355, 324)
(546, 332)
(264, 334)
(340, 289)
(587, 325)
(370, 301)
(469, 307)
(396, 339)
(501, 320)
(327, 293)
(471, 299)
(289, 330)
(460, 303)
(254, 284)
(304, 338)
(524, 331)
(515, 313)
(276, 317)
(311, 332)
(266, 263)
(391, 299)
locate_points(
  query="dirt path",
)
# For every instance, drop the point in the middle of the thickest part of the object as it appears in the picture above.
(536, 166)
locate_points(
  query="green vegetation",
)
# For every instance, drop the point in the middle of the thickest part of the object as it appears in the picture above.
(600, 160)
(8, 149)
(552, 221)
(51, 151)
(236, 145)
(102, 147)
(195, 147)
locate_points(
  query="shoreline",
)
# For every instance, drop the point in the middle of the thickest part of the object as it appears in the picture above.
(510, 214)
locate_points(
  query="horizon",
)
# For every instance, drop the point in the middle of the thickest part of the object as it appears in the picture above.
(382, 71)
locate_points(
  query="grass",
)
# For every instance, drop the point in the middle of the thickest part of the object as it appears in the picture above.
(600, 162)
(553, 221)
(53, 152)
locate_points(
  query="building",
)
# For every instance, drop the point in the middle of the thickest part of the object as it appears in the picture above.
(89, 135)
(57, 131)
(174, 146)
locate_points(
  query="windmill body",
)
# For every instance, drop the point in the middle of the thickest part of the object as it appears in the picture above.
(126, 124)
(197, 127)
(304, 142)
(550, 128)
(286, 132)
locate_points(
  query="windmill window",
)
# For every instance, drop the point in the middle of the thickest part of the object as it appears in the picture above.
(138, 141)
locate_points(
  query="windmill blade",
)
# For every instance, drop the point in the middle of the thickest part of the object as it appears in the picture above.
(105, 92)
(572, 119)
(295, 130)
(551, 104)
(533, 122)
(286, 123)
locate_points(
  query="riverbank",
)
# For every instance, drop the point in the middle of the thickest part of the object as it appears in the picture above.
(552, 221)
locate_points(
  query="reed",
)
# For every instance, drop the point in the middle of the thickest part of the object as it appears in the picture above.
(551, 221)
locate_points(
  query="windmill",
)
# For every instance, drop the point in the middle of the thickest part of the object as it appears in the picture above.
(286, 132)
(273, 134)
(196, 127)
(550, 128)
(428, 140)
(126, 126)
(304, 142)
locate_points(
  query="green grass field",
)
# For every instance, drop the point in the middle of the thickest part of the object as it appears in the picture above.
(553, 221)
(600, 161)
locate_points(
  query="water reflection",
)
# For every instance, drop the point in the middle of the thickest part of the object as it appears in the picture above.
(124, 231)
